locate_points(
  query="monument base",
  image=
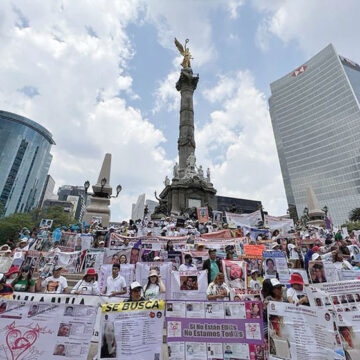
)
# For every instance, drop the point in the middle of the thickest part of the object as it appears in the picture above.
(185, 194)
(98, 210)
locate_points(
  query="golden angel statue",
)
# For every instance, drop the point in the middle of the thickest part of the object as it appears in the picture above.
(184, 52)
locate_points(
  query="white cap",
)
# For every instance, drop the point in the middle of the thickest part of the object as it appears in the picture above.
(274, 245)
(315, 256)
(275, 282)
(135, 285)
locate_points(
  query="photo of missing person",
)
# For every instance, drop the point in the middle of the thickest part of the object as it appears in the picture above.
(59, 350)
(64, 329)
(279, 345)
(69, 311)
(270, 267)
(351, 342)
(317, 272)
(188, 283)
(108, 342)
(235, 274)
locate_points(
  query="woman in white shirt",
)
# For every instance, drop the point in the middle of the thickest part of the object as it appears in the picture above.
(218, 290)
(88, 285)
(154, 287)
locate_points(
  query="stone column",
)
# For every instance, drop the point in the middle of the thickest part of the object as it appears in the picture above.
(186, 143)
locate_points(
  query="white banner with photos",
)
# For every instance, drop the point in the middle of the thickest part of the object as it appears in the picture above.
(45, 331)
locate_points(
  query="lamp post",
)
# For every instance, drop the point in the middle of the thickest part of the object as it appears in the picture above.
(325, 209)
(118, 190)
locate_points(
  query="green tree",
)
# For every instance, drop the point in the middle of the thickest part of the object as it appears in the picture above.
(354, 215)
(11, 226)
(56, 213)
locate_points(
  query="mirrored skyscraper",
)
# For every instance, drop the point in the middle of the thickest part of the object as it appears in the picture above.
(315, 115)
(24, 162)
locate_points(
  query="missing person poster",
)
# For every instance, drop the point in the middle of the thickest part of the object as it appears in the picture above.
(45, 331)
(299, 332)
(132, 330)
(235, 274)
(189, 285)
(213, 330)
(275, 266)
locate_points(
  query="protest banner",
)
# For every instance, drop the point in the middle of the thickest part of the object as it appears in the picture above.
(70, 241)
(117, 256)
(190, 285)
(348, 326)
(86, 241)
(283, 225)
(45, 331)
(122, 323)
(275, 265)
(235, 220)
(217, 217)
(341, 294)
(70, 261)
(322, 271)
(126, 270)
(254, 251)
(235, 274)
(203, 214)
(46, 223)
(5, 263)
(214, 330)
(299, 332)
(94, 258)
(221, 234)
(346, 275)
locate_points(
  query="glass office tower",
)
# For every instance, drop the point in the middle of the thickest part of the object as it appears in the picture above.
(316, 120)
(24, 162)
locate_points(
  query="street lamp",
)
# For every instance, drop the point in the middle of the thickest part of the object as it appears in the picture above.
(325, 209)
(86, 185)
(118, 190)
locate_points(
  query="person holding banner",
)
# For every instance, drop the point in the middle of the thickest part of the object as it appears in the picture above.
(154, 287)
(135, 292)
(55, 284)
(188, 265)
(212, 265)
(218, 289)
(115, 283)
(24, 281)
(295, 294)
(88, 285)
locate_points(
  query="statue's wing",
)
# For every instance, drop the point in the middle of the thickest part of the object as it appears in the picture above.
(179, 46)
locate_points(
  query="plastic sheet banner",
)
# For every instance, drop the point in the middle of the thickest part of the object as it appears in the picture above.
(132, 330)
(299, 332)
(278, 223)
(214, 330)
(190, 285)
(45, 331)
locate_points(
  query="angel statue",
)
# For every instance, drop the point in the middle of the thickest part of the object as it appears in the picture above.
(184, 52)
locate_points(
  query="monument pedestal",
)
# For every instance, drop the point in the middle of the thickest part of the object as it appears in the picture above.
(184, 194)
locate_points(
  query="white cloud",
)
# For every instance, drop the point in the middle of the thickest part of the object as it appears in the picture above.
(233, 6)
(78, 81)
(312, 24)
(238, 143)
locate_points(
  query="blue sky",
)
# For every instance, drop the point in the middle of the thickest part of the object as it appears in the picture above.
(100, 75)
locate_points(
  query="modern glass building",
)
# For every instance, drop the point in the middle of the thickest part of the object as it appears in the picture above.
(315, 115)
(24, 162)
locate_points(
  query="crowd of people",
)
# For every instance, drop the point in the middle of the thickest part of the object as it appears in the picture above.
(191, 247)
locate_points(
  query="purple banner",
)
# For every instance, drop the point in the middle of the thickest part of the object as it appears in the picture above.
(222, 329)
